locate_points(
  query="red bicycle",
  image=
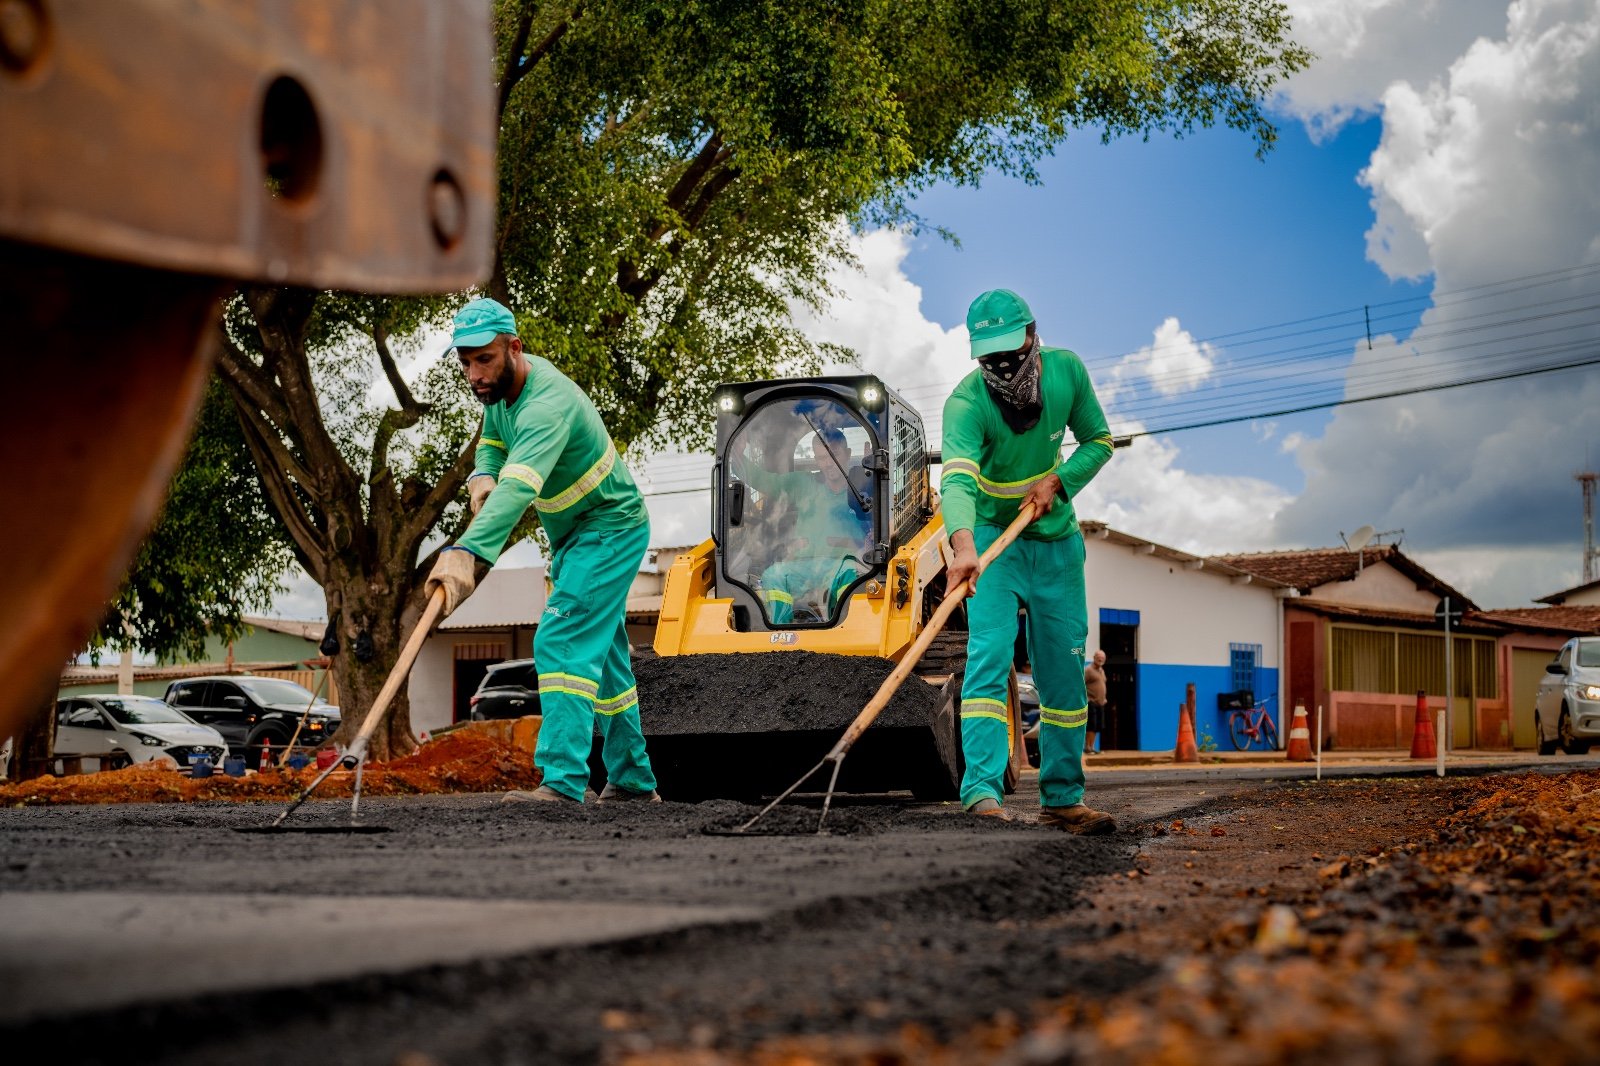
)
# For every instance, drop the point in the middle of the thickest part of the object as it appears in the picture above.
(1246, 727)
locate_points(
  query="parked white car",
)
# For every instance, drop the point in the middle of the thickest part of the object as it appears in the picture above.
(138, 727)
(1567, 714)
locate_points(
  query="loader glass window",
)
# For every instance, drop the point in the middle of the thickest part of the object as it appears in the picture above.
(804, 523)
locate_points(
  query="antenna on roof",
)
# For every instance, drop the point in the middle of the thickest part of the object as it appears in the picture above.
(1357, 540)
(1364, 536)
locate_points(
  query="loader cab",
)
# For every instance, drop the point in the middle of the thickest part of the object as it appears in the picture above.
(817, 482)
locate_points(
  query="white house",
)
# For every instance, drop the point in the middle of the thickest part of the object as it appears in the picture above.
(495, 624)
(1166, 618)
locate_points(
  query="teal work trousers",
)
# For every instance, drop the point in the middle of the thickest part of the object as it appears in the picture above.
(1045, 577)
(581, 653)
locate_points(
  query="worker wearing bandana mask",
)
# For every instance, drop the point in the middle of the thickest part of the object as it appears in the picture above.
(1003, 437)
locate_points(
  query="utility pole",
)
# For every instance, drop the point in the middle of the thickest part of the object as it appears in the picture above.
(1591, 554)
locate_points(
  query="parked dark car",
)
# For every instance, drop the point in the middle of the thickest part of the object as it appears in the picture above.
(252, 711)
(509, 690)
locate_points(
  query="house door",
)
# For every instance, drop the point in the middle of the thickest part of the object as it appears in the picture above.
(1527, 670)
(1121, 645)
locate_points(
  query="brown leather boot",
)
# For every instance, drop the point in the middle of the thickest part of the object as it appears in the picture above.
(542, 794)
(990, 808)
(1080, 818)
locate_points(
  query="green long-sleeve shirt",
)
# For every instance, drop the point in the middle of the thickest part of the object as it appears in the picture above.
(988, 467)
(549, 449)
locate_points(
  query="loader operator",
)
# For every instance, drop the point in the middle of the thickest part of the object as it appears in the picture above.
(543, 444)
(829, 522)
(1003, 428)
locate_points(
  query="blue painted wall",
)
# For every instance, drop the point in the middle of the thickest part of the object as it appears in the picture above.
(1161, 690)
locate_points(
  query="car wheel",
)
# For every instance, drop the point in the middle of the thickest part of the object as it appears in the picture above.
(1546, 747)
(1569, 742)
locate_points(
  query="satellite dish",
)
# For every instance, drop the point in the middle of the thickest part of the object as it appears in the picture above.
(1360, 538)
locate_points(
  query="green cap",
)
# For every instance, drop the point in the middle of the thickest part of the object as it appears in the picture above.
(480, 322)
(997, 321)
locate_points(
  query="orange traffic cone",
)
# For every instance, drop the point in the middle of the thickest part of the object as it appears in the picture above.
(1422, 743)
(1186, 751)
(1300, 736)
(266, 754)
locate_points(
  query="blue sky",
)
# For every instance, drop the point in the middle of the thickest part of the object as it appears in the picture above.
(1118, 237)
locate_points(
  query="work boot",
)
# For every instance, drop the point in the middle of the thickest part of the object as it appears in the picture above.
(990, 808)
(616, 794)
(1079, 818)
(542, 794)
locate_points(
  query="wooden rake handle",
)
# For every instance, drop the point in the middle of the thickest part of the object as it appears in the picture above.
(397, 676)
(908, 661)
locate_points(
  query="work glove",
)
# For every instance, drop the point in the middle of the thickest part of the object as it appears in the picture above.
(455, 573)
(480, 486)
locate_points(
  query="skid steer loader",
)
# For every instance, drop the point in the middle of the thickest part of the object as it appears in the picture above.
(826, 539)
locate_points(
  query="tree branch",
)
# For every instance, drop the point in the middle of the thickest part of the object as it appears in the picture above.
(303, 534)
(402, 392)
(421, 518)
(249, 381)
(518, 65)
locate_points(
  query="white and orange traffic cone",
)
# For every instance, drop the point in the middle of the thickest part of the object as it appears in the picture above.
(1186, 750)
(266, 754)
(1422, 741)
(1300, 736)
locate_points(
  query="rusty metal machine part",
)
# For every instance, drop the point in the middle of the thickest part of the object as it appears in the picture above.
(155, 151)
(340, 144)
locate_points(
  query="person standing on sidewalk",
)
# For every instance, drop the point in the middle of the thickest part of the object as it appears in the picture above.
(1003, 435)
(543, 445)
(1094, 685)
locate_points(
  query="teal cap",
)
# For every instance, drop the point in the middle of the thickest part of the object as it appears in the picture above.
(480, 322)
(997, 321)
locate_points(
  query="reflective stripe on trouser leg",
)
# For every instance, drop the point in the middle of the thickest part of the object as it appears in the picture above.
(622, 743)
(991, 642)
(578, 632)
(1058, 628)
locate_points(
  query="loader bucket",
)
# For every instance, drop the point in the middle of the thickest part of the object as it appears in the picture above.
(743, 726)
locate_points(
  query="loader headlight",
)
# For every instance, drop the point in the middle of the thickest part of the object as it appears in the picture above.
(871, 397)
(729, 403)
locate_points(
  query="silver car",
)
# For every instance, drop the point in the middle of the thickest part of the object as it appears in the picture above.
(1567, 714)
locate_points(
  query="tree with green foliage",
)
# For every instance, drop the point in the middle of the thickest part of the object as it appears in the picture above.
(674, 176)
(217, 552)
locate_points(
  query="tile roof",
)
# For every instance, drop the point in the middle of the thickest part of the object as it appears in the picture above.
(1579, 620)
(1561, 597)
(1307, 568)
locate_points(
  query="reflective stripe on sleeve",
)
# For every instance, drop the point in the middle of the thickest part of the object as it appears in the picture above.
(525, 474)
(491, 442)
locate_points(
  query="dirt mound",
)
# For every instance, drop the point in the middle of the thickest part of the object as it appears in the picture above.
(462, 761)
(771, 692)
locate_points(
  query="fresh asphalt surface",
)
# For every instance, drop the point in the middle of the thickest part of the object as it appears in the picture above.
(157, 907)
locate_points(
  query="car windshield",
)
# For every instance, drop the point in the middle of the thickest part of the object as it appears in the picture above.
(275, 690)
(1588, 653)
(130, 710)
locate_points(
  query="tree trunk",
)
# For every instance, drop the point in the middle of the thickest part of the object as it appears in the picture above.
(33, 747)
(382, 611)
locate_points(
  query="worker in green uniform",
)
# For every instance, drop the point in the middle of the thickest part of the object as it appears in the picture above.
(1003, 430)
(543, 445)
